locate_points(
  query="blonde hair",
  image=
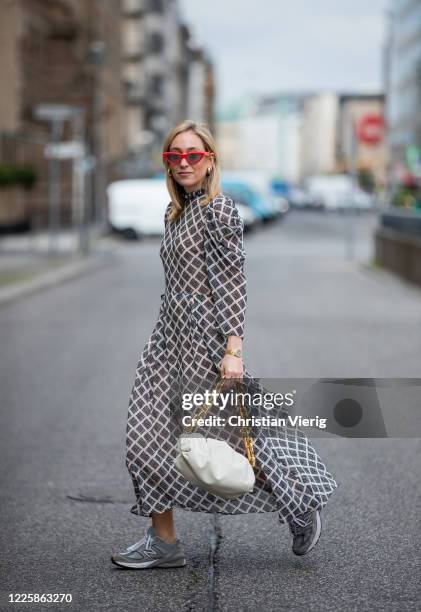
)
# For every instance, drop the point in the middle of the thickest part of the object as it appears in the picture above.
(211, 183)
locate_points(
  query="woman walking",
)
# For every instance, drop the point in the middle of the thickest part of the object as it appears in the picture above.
(199, 334)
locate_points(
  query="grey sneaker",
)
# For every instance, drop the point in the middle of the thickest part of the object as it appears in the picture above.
(150, 551)
(306, 535)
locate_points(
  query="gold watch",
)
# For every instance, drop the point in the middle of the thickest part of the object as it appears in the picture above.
(236, 352)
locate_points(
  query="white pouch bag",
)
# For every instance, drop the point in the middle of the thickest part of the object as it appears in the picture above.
(214, 465)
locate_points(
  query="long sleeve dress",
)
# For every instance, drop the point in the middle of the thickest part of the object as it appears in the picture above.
(204, 302)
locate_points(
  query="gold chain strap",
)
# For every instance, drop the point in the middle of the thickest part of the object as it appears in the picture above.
(248, 440)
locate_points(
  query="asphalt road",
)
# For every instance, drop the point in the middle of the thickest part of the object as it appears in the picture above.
(68, 360)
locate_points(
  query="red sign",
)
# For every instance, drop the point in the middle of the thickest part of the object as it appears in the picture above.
(370, 129)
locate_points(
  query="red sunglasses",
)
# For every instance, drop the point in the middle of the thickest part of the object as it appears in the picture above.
(194, 157)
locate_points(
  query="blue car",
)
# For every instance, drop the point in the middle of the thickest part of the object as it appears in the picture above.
(244, 194)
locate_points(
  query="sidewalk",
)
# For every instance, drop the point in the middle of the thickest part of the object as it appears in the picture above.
(28, 264)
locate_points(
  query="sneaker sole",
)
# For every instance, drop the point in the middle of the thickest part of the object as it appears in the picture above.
(315, 539)
(149, 564)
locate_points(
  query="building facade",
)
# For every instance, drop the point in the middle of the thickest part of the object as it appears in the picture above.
(263, 133)
(318, 134)
(130, 67)
(64, 53)
(361, 144)
(167, 78)
(402, 76)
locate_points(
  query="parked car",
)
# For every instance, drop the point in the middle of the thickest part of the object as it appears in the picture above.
(246, 195)
(259, 181)
(301, 199)
(246, 213)
(361, 200)
(242, 201)
(337, 192)
(136, 207)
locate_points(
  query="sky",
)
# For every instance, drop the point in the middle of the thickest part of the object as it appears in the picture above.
(299, 45)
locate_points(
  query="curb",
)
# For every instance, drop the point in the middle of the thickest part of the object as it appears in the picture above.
(46, 280)
(384, 275)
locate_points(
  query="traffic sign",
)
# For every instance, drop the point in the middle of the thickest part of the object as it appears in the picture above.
(370, 129)
(65, 150)
(56, 112)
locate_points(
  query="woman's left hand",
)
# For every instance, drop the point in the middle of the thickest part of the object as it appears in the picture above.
(232, 367)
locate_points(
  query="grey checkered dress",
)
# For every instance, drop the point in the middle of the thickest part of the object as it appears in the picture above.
(204, 302)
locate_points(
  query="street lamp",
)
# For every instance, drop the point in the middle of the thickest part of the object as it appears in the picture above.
(96, 58)
(56, 114)
(73, 150)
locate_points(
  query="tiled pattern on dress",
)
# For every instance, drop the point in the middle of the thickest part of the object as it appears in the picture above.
(204, 301)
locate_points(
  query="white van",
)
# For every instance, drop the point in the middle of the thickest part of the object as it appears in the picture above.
(136, 207)
(336, 192)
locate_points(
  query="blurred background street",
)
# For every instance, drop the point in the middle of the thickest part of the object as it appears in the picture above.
(315, 108)
(319, 118)
(71, 356)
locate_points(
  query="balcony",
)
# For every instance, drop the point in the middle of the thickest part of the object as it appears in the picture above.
(133, 55)
(133, 9)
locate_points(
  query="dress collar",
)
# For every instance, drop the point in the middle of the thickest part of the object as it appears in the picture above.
(189, 196)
